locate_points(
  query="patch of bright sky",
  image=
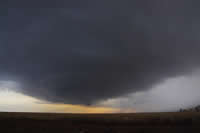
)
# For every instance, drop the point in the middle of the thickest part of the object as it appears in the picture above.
(171, 95)
(12, 101)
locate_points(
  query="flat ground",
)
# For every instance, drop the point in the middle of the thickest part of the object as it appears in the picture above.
(100, 123)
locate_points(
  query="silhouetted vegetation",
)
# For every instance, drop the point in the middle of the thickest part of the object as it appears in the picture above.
(195, 109)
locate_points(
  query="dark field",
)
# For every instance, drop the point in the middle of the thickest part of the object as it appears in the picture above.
(100, 123)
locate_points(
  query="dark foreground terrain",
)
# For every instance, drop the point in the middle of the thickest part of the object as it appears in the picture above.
(183, 122)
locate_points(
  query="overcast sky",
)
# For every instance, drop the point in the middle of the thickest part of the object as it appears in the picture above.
(127, 54)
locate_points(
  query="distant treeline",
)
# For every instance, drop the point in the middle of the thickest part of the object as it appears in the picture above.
(195, 109)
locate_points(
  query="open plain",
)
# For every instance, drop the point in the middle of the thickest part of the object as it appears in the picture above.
(184, 122)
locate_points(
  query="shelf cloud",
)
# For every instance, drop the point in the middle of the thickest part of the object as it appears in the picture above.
(86, 51)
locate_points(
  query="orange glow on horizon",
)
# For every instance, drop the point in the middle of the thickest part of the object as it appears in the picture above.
(68, 108)
(16, 102)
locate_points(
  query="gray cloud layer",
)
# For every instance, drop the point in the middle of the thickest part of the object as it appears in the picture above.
(86, 51)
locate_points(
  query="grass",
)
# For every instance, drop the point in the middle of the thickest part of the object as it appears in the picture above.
(100, 123)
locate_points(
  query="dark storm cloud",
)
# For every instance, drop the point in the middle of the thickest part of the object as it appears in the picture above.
(81, 52)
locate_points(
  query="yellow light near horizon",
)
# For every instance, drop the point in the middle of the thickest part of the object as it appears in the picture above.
(68, 108)
(16, 102)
